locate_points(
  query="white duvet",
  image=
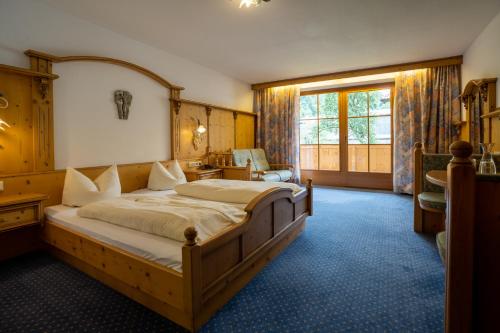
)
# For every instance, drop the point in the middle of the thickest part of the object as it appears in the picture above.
(208, 205)
(166, 216)
(235, 191)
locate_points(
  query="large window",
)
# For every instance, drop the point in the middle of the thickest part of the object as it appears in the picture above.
(319, 131)
(362, 117)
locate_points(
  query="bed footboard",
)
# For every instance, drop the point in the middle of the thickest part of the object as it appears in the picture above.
(215, 270)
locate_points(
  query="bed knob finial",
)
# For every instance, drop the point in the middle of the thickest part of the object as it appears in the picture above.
(190, 233)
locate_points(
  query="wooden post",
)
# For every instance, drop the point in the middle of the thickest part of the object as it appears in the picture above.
(417, 187)
(191, 273)
(249, 170)
(310, 196)
(460, 239)
(43, 115)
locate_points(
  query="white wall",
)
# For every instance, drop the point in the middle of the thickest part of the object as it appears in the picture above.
(87, 129)
(482, 58)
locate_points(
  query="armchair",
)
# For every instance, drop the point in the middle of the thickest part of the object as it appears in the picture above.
(261, 170)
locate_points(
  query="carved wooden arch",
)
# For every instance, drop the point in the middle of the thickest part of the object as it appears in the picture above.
(473, 87)
(174, 90)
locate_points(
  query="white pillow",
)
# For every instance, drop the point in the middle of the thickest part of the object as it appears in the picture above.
(175, 169)
(161, 178)
(79, 190)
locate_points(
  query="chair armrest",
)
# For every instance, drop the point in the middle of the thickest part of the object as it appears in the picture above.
(236, 172)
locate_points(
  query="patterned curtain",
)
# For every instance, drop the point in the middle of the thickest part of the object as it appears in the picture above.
(278, 116)
(426, 109)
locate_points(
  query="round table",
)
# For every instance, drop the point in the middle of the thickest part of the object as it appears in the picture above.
(437, 177)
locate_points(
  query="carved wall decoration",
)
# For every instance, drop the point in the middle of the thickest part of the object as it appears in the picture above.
(123, 100)
(479, 99)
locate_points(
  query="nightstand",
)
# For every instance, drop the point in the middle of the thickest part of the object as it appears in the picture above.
(20, 221)
(198, 174)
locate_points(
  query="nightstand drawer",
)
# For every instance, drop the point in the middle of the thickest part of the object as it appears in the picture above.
(18, 216)
(213, 175)
(198, 174)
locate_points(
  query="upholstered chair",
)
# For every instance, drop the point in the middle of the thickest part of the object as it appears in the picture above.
(261, 169)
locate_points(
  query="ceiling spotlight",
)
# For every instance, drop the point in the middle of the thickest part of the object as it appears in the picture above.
(251, 3)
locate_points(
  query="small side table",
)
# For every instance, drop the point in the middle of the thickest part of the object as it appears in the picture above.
(22, 210)
(20, 219)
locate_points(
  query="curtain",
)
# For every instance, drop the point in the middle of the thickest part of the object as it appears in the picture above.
(427, 110)
(278, 119)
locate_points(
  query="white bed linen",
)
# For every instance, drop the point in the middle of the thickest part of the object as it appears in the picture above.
(231, 191)
(161, 250)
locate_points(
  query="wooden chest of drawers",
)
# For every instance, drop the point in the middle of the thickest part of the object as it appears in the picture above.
(196, 174)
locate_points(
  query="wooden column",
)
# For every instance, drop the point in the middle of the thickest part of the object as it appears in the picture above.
(417, 187)
(460, 239)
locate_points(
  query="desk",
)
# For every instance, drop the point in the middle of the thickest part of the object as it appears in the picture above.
(437, 177)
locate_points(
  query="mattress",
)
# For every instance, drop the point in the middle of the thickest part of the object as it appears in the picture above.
(161, 250)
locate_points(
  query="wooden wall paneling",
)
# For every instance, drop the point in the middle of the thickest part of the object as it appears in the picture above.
(132, 177)
(244, 131)
(43, 117)
(16, 142)
(221, 130)
(485, 90)
(188, 116)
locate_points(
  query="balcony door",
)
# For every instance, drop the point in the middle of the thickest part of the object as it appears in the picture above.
(346, 136)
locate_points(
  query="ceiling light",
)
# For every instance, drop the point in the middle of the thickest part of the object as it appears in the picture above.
(251, 3)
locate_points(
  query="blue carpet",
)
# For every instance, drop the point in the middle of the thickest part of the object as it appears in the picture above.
(358, 267)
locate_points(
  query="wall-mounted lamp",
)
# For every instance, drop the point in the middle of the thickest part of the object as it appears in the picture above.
(4, 104)
(197, 134)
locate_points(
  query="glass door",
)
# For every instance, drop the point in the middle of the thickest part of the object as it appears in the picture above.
(369, 127)
(346, 135)
(319, 132)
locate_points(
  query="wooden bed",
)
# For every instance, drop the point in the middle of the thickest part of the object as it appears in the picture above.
(213, 270)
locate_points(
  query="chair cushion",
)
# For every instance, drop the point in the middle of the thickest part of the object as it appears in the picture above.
(441, 245)
(259, 159)
(268, 177)
(240, 157)
(274, 176)
(432, 200)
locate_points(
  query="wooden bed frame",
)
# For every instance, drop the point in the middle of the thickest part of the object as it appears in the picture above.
(213, 270)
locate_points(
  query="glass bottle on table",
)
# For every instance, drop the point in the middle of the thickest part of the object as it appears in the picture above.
(487, 164)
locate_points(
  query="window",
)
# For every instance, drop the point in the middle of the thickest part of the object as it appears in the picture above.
(319, 131)
(362, 116)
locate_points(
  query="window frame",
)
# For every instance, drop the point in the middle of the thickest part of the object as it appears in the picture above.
(343, 118)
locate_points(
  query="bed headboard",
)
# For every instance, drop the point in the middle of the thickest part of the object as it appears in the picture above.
(132, 177)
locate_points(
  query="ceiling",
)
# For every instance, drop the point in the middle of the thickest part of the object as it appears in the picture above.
(291, 38)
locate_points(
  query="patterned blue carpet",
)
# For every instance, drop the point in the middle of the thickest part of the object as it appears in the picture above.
(358, 267)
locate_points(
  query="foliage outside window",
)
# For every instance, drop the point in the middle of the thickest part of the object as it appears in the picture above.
(368, 124)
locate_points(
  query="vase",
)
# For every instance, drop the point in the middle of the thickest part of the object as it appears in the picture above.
(487, 164)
